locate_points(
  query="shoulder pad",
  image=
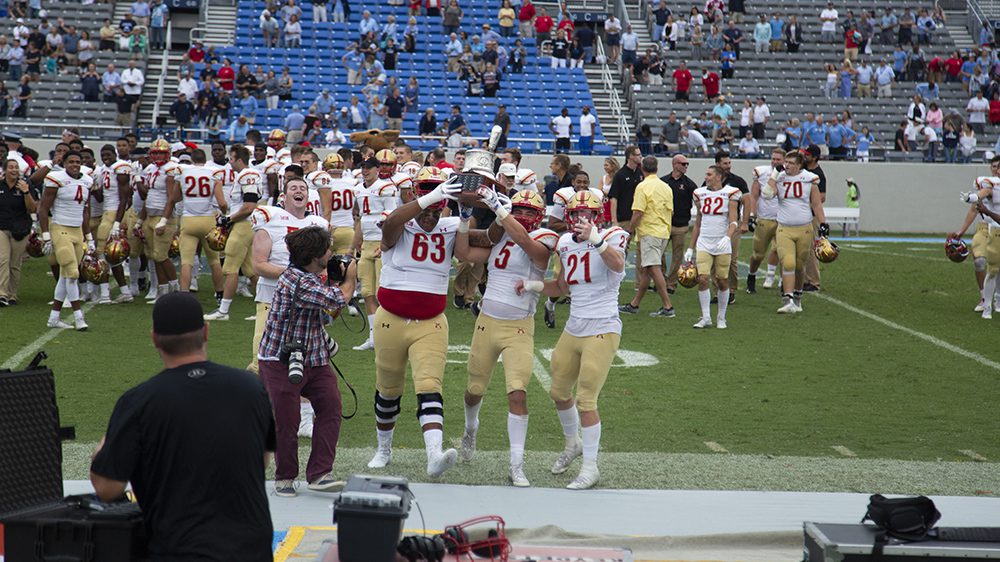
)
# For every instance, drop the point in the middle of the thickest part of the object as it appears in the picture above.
(547, 237)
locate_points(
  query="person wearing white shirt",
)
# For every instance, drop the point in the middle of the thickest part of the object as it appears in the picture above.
(562, 127)
(761, 113)
(931, 137)
(588, 127)
(630, 45)
(132, 81)
(453, 50)
(21, 33)
(188, 86)
(749, 147)
(978, 107)
(829, 16)
(335, 139)
(694, 139)
(613, 32)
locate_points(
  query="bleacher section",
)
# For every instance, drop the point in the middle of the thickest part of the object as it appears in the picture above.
(792, 82)
(532, 97)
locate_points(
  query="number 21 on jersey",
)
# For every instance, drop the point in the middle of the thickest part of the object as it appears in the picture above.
(578, 268)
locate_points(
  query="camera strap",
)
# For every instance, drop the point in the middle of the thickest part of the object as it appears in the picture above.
(349, 387)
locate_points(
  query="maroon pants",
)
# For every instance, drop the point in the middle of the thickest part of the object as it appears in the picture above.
(319, 386)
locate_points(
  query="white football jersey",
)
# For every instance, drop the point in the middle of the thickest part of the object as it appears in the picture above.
(278, 223)
(794, 194)
(317, 180)
(197, 190)
(248, 182)
(156, 183)
(284, 156)
(410, 169)
(508, 264)
(107, 178)
(96, 206)
(372, 201)
(421, 261)
(592, 286)
(993, 202)
(713, 208)
(71, 197)
(563, 195)
(314, 206)
(766, 208)
(342, 201)
(401, 181)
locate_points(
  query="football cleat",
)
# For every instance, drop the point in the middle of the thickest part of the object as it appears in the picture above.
(382, 458)
(217, 315)
(468, 446)
(122, 298)
(788, 308)
(988, 314)
(104, 300)
(79, 324)
(368, 344)
(732, 297)
(703, 323)
(244, 291)
(720, 324)
(517, 477)
(664, 312)
(439, 463)
(550, 314)
(751, 284)
(57, 323)
(979, 307)
(567, 457)
(769, 282)
(588, 477)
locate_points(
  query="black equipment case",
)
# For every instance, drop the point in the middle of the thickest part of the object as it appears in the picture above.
(830, 542)
(38, 524)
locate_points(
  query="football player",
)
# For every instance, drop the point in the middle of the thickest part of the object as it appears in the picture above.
(375, 196)
(388, 170)
(203, 197)
(986, 241)
(66, 196)
(320, 184)
(797, 191)
(246, 192)
(276, 140)
(113, 177)
(593, 266)
(410, 325)
(762, 220)
(407, 166)
(341, 204)
(718, 220)
(138, 263)
(158, 221)
(505, 326)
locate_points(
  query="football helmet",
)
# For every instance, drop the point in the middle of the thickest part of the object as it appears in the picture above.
(428, 178)
(116, 251)
(482, 537)
(333, 161)
(93, 268)
(217, 238)
(826, 251)
(175, 248)
(532, 202)
(276, 139)
(583, 203)
(159, 152)
(687, 275)
(386, 163)
(956, 250)
(525, 179)
(35, 247)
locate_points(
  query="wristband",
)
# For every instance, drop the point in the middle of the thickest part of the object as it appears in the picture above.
(116, 225)
(46, 236)
(34, 217)
(463, 227)
(734, 223)
(501, 212)
(602, 247)
(534, 286)
(162, 223)
(89, 237)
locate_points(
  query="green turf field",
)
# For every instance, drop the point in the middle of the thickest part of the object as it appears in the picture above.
(889, 362)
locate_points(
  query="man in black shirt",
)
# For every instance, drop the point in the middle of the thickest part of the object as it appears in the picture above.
(683, 189)
(811, 156)
(502, 118)
(395, 109)
(623, 187)
(194, 441)
(723, 160)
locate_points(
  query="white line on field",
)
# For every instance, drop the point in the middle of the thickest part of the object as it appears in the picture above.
(927, 338)
(541, 373)
(32, 348)
(715, 447)
(895, 254)
(973, 455)
(843, 450)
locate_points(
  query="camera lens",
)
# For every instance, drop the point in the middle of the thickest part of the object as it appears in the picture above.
(296, 370)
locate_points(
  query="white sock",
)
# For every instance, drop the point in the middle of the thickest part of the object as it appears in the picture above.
(72, 290)
(78, 315)
(570, 420)
(371, 327)
(105, 290)
(53, 315)
(432, 441)
(125, 290)
(989, 287)
(89, 289)
(723, 303)
(384, 438)
(224, 305)
(59, 295)
(705, 300)
(153, 281)
(133, 274)
(591, 442)
(770, 270)
(306, 410)
(472, 417)
(517, 432)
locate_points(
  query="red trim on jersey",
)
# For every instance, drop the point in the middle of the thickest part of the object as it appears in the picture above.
(611, 231)
(267, 215)
(412, 304)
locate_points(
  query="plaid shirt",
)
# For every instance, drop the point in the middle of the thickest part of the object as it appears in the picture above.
(302, 319)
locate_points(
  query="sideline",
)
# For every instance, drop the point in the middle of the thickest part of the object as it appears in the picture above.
(32, 348)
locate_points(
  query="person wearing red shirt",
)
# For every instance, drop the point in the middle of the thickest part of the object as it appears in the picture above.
(710, 81)
(543, 27)
(227, 76)
(851, 44)
(526, 16)
(682, 82)
(935, 70)
(953, 68)
(433, 8)
(197, 52)
(566, 25)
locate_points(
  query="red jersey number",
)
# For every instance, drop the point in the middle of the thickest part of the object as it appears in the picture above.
(503, 256)
(574, 264)
(341, 200)
(793, 189)
(197, 187)
(425, 247)
(708, 209)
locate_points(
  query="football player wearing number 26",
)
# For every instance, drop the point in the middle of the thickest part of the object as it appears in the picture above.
(593, 266)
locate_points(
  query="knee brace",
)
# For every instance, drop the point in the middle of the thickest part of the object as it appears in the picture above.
(430, 408)
(386, 409)
(979, 264)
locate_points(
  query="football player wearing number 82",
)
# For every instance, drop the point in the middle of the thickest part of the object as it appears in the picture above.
(593, 266)
(712, 237)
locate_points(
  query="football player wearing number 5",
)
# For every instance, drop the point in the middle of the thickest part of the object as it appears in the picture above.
(376, 195)
(505, 326)
(113, 176)
(799, 200)
(593, 266)
(762, 221)
(242, 199)
(67, 234)
(159, 222)
(718, 215)
(410, 325)
(341, 204)
(201, 196)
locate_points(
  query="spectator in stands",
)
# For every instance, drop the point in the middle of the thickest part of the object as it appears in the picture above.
(935, 118)
(109, 80)
(132, 80)
(977, 82)
(390, 30)
(656, 68)
(734, 36)
(285, 85)
(670, 134)
(887, 27)
(428, 124)
(248, 106)
(906, 23)
(793, 135)
(925, 27)
(453, 50)
(561, 127)
(899, 58)
(978, 107)
(761, 115)
(293, 33)
(777, 25)
(928, 90)
(681, 79)
(324, 103)
(829, 17)
(949, 139)
(85, 49)
(90, 83)
(16, 61)
(270, 29)
(722, 109)
(697, 42)
(846, 79)
(182, 110)
(660, 16)
(588, 129)
(451, 18)
(238, 129)
(852, 41)
(357, 114)
(793, 34)
(125, 29)
(864, 74)
(722, 136)
(140, 10)
(489, 35)
(901, 144)
(728, 61)
(188, 86)
(839, 138)
(223, 103)
(395, 109)
(884, 79)
(630, 45)
(293, 124)
(746, 117)
(319, 11)
(367, 24)
(749, 147)
(714, 10)
(715, 42)
(966, 144)
(123, 108)
(32, 62)
(158, 18)
(409, 37)
(560, 50)
(490, 81)
(916, 64)
(613, 36)
(817, 135)
(761, 35)
(227, 76)
(695, 19)
(863, 145)
(930, 137)
(693, 141)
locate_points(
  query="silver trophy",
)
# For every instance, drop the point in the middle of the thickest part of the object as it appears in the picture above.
(478, 169)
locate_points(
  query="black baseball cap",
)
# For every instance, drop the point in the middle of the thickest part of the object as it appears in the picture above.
(177, 313)
(370, 163)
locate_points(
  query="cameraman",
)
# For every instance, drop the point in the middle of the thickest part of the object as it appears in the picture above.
(295, 328)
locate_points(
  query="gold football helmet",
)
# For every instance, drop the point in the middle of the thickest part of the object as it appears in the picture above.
(583, 204)
(159, 152)
(687, 275)
(533, 203)
(116, 251)
(93, 268)
(217, 238)
(333, 161)
(826, 251)
(386, 163)
(276, 139)
(175, 248)
(428, 178)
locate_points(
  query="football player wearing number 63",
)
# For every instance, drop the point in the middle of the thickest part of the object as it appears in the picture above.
(593, 266)
(201, 201)
(718, 213)
(799, 200)
(410, 326)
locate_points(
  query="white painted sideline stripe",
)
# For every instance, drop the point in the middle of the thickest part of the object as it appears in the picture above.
(927, 338)
(715, 447)
(843, 450)
(542, 374)
(973, 455)
(32, 348)
(895, 254)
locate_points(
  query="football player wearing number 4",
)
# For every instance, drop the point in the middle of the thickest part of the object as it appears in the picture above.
(799, 200)
(505, 326)
(201, 199)
(718, 213)
(593, 266)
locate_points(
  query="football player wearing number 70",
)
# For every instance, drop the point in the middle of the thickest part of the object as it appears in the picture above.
(593, 266)
(799, 199)
(718, 214)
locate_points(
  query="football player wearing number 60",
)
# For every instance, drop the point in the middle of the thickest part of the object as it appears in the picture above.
(410, 325)
(201, 201)
(593, 266)
(341, 204)
(505, 326)
(376, 196)
(718, 213)
(799, 200)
